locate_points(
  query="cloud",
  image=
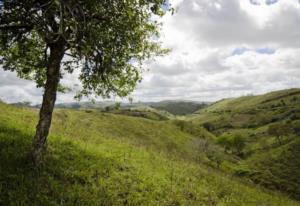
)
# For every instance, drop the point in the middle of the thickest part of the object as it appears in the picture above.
(227, 48)
(13, 89)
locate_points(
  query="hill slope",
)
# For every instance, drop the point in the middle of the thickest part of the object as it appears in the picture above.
(178, 107)
(265, 160)
(106, 159)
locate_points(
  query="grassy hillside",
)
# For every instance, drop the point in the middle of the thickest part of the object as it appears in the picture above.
(264, 160)
(252, 111)
(178, 107)
(98, 158)
(144, 112)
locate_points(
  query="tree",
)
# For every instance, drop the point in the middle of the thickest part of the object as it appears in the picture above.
(43, 39)
(130, 99)
(214, 154)
(117, 106)
(296, 127)
(236, 143)
(279, 130)
(225, 141)
(209, 126)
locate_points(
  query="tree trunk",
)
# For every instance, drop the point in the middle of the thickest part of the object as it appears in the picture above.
(49, 97)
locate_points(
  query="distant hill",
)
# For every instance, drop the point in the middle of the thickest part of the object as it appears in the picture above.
(179, 107)
(173, 107)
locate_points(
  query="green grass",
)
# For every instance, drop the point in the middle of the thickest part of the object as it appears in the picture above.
(265, 162)
(106, 159)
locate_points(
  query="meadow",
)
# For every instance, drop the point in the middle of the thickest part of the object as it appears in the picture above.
(106, 158)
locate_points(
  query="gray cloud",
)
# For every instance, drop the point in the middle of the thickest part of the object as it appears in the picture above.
(228, 24)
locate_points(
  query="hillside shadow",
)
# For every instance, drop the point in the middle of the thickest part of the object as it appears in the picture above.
(65, 174)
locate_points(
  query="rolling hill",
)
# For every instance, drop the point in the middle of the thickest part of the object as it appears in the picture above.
(99, 158)
(265, 161)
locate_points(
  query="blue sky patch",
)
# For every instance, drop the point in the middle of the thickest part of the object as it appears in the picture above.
(256, 2)
(269, 2)
(239, 51)
(265, 50)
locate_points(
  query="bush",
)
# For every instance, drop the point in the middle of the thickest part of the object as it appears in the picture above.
(225, 141)
(279, 130)
(296, 127)
(236, 143)
(209, 126)
(215, 155)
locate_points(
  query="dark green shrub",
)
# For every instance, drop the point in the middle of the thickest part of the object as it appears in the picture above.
(209, 126)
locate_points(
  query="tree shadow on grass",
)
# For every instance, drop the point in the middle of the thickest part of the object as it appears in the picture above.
(69, 175)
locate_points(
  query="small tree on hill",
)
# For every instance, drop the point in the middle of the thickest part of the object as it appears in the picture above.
(130, 99)
(214, 154)
(109, 40)
(238, 144)
(209, 126)
(225, 141)
(279, 130)
(296, 127)
(117, 106)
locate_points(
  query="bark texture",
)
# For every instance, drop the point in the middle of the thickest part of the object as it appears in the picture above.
(49, 98)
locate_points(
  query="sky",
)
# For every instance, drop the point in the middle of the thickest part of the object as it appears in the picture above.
(219, 49)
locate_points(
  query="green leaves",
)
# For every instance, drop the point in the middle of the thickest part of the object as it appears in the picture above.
(109, 40)
(26, 58)
(236, 143)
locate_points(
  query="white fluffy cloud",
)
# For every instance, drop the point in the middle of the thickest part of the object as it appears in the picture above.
(224, 48)
(220, 48)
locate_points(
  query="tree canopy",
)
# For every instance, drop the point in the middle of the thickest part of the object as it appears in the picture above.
(107, 40)
(234, 142)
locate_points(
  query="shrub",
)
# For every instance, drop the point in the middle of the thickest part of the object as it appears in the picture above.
(118, 106)
(236, 143)
(209, 126)
(225, 141)
(279, 130)
(215, 155)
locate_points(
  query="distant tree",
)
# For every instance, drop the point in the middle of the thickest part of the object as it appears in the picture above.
(109, 40)
(233, 142)
(181, 124)
(279, 130)
(238, 143)
(296, 127)
(282, 102)
(214, 154)
(209, 126)
(107, 109)
(225, 141)
(117, 105)
(22, 104)
(130, 99)
(294, 99)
